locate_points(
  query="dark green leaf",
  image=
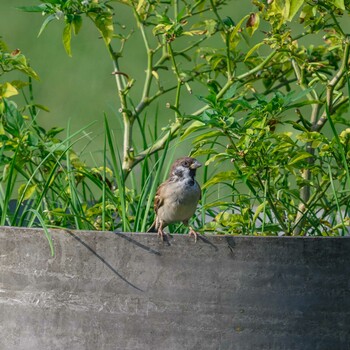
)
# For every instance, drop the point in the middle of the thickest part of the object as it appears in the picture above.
(77, 23)
(38, 8)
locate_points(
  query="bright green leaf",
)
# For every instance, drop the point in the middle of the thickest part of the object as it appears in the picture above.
(207, 135)
(300, 156)
(104, 23)
(238, 26)
(258, 210)
(26, 192)
(253, 49)
(203, 151)
(294, 7)
(7, 90)
(339, 4)
(66, 38)
(195, 126)
(220, 177)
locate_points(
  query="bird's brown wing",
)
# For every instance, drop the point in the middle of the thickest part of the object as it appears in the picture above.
(159, 198)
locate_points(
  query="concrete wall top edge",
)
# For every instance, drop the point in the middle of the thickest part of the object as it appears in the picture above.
(34, 230)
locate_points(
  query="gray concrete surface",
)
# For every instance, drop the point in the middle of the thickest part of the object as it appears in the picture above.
(105, 291)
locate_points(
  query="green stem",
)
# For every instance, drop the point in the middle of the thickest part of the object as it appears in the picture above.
(128, 118)
(305, 191)
(149, 76)
(179, 80)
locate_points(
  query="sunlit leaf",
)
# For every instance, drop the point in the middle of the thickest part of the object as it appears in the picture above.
(339, 4)
(294, 7)
(195, 126)
(26, 192)
(239, 25)
(253, 49)
(66, 38)
(300, 156)
(258, 210)
(104, 23)
(207, 135)
(7, 90)
(220, 177)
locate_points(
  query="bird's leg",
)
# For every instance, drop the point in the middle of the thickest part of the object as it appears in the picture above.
(193, 233)
(161, 232)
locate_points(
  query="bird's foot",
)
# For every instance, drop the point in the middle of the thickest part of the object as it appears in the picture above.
(193, 233)
(161, 234)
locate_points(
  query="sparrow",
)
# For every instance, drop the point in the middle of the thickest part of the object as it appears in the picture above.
(176, 199)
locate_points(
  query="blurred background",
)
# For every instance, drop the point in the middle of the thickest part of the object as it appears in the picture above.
(79, 90)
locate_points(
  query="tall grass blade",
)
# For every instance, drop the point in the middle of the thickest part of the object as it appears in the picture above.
(44, 227)
(336, 199)
(30, 180)
(117, 171)
(148, 192)
(11, 180)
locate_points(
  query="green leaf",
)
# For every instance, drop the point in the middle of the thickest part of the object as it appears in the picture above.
(254, 48)
(104, 23)
(7, 90)
(231, 91)
(258, 210)
(67, 36)
(77, 23)
(39, 8)
(46, 22)
(42, 107)
(195, 126)
(300, 156)
(54, 131)
(220, 177)
(294, 7)
(19, 84)
(207, 135)
(339, 4)
(203, 151)
(26, 191)
(238, 26)
(54, 2)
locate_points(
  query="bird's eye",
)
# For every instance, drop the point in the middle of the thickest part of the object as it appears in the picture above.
(185, 163)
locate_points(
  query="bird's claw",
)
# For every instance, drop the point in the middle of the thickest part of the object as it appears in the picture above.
(164, 237)
(161, 234)
(193, 233)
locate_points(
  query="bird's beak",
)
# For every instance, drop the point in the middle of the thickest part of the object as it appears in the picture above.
(195, 165)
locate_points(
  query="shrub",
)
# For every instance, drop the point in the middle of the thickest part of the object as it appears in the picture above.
(273, 123)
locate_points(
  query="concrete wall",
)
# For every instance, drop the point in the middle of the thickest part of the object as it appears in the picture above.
(106, 291)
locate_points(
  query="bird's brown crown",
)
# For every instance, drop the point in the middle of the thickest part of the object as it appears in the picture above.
(185, 162)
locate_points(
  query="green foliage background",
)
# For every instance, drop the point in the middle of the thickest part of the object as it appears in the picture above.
(269, 116)
(79, 89)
